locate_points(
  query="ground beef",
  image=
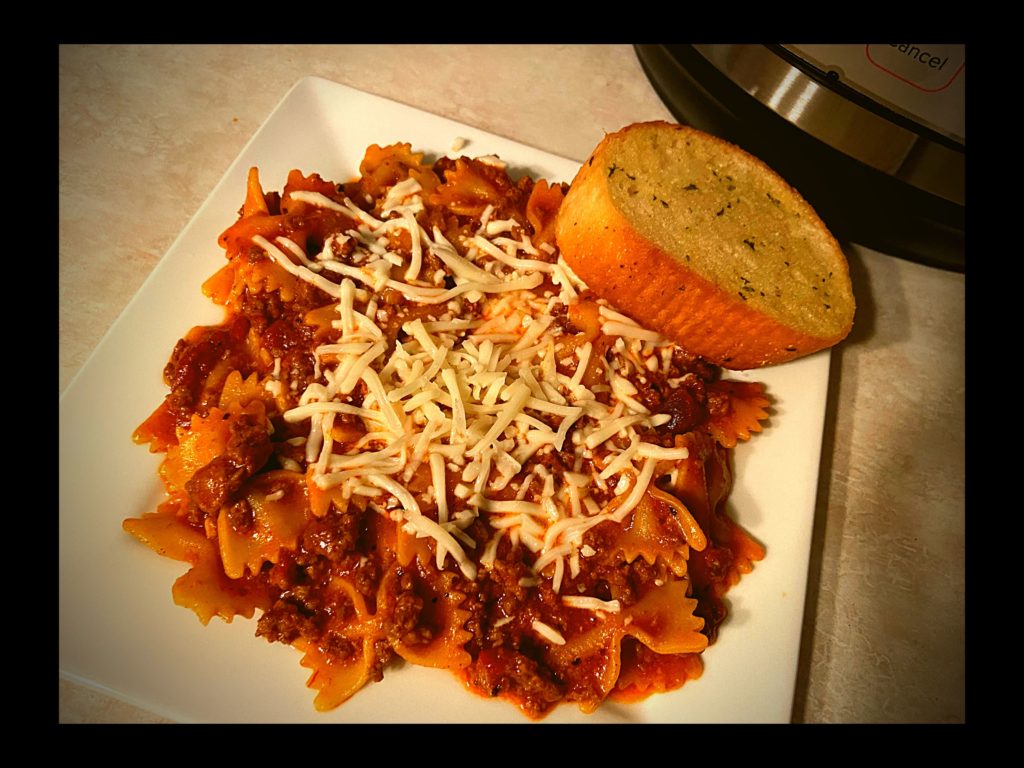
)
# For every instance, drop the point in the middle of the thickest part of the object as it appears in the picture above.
(247, 450)
(298, 367)
(262, 309)
(337, 646)
(240, 516)
(333, 536)
(212, 485)
(284, 334)
(195, 361)
(505, 670)
(404, 625)
(288, 620)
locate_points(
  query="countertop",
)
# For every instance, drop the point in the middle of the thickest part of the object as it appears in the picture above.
(150, 130)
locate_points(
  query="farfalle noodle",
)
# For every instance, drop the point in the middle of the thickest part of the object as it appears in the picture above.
(417, 435)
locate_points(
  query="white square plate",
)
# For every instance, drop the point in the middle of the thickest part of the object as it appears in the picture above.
(120, 631)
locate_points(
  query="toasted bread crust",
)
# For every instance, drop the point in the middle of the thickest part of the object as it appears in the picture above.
(665, 291)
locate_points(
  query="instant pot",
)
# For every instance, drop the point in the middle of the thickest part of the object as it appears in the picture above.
(871, 135)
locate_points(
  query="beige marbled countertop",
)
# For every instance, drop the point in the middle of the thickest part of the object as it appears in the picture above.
(153, 128)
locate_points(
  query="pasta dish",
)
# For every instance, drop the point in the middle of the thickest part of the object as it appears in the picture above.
(418, 435)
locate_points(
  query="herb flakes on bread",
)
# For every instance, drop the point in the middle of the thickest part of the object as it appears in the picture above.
(701, 241)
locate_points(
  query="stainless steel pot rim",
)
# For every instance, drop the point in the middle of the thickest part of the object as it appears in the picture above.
(847, 126)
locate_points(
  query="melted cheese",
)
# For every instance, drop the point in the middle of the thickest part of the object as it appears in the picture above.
(548, 633)
(592, 604)
(478, 397)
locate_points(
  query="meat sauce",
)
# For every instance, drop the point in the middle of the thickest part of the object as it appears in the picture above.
(273, 331)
